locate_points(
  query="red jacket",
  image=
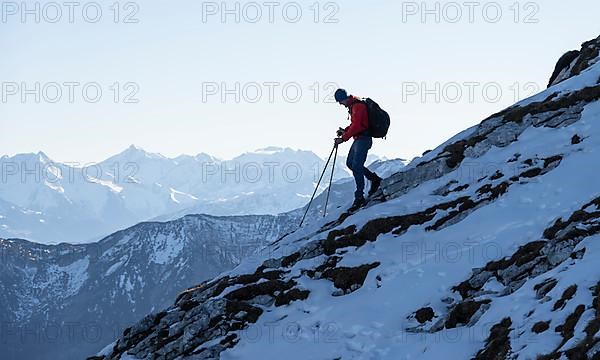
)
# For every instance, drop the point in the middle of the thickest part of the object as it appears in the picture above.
(359, 117)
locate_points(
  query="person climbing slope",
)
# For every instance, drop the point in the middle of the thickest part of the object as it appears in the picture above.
(361, 132)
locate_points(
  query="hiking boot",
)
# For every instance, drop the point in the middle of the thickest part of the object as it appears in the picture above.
(375, 185)
(357, 204)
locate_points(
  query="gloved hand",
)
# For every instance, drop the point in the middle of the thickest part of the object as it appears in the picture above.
(337, 141)
(340, 132)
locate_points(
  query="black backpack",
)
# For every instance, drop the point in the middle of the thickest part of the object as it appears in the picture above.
(379, 119)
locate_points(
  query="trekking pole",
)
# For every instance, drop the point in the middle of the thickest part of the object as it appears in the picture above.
(317, 187)
(330, 180)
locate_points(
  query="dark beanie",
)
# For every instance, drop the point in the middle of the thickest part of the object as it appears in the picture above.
(341, 95)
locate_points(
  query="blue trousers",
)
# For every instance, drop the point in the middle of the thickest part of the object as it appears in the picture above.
(356, 162)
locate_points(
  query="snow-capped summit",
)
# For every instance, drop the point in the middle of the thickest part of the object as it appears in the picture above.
(28, 158)
(485, 248)
(271, 150)
(198, 158)
(42, 157)
(134, 153)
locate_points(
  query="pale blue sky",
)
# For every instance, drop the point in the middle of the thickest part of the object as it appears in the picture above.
(371, 51)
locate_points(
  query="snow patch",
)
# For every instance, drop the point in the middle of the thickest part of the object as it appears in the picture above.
(166, 248)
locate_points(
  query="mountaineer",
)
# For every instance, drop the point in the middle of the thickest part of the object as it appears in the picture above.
(368, 120)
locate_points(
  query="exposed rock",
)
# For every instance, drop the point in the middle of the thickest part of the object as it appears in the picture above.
(447, 190)
(462, 313)
(269, 287)
(349, 279)
(575, 62)
(523, 255)
(291, 259)
(566, 296)
(544, 287)
(563, 64)
(424, 315)
(543, 112)
(587, 57)
(497, 175)
(497, 346)
(291, 295)
(372, 229)
(588, 348)
(540, 327)
(568, 328)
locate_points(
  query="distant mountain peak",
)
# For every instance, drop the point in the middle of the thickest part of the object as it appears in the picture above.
(42, 156)
(200, 157)
(271, 150)
(203, 156)
(31, 157)
(134, 151)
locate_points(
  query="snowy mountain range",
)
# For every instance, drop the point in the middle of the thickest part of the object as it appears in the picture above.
(73, 299)
(486, 247)
(51, 202)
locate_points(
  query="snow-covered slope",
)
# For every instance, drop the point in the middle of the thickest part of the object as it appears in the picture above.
(485, 248)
